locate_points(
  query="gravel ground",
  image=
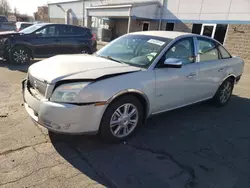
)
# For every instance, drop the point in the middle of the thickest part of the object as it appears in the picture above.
(197, 146)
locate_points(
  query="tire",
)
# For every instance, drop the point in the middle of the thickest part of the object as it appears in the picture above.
(224, 93)
(127, 125)
(20, 55)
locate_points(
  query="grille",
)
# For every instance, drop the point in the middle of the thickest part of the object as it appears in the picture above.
(38, 85)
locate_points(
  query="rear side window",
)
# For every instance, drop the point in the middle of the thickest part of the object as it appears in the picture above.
(224, 53)
(207, 50)
(83, 31)
(72, 30)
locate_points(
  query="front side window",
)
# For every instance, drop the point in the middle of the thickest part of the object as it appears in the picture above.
(182, 50)
(48, 31)
(32, 29)
(207, 50)
(135, 50)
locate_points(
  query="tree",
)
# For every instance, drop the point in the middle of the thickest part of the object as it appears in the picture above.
(4, 7)
(15, 11)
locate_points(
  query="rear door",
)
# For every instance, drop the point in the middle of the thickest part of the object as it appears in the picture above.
(73, 39)
(212, 66)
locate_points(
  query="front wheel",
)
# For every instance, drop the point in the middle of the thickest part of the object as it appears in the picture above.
(224, 93)
(19, 55)
(121, 119)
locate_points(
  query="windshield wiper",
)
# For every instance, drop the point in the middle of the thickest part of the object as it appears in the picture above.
(110, 58)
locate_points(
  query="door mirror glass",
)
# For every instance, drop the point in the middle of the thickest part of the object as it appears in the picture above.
(173, 63)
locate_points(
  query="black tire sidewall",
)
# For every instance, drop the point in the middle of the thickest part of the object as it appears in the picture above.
(105, 131)
(86, 49)
(218, 93)
(12, 51)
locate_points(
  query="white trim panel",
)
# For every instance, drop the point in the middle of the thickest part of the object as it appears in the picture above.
(109, 12)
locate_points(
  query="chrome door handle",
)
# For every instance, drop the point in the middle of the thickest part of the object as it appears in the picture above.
(191, 75)
(221, 69)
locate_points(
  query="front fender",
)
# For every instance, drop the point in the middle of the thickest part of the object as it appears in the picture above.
(142, 82)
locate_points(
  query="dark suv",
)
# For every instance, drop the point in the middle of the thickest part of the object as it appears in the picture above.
(46, 40)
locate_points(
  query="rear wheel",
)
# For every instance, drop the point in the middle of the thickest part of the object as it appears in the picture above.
(20, 55)
(121, 119)
(224, 92)
(85, 50)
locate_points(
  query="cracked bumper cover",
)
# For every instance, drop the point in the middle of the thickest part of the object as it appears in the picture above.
(63, 118)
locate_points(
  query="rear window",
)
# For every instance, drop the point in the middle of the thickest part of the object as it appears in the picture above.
(25, 25)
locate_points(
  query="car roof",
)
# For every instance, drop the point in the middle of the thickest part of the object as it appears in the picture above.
(43, 24)
(164, 34)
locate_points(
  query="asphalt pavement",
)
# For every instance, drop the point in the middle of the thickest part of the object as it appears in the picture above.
(199, 146)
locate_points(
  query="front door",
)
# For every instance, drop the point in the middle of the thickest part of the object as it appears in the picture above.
(46, 41)
(176, 87)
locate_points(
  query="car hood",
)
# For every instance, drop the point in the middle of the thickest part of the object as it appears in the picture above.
(75, 67)
(8, 33)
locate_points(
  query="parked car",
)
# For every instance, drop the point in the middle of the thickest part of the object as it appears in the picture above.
(45, 40)
(6, 25)
(22, 25)
(135, 76)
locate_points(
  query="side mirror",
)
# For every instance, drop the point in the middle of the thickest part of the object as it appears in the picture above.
(173, 63)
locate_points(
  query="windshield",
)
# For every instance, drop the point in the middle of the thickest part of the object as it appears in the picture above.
(135, 50)
(31, 29)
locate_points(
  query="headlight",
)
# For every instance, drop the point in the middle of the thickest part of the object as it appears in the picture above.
(67, 92)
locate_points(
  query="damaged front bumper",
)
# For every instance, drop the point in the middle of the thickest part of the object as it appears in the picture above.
(62, 117)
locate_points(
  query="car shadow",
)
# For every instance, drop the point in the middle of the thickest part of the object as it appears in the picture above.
(188, 147)
(22, 68)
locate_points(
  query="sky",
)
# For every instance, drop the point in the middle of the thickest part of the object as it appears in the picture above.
(30, 6)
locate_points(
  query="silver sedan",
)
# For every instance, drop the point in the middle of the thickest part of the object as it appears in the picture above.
(137, 75)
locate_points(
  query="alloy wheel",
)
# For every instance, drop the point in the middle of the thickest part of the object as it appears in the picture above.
(124, 120)
(226, 92)
(20, 56)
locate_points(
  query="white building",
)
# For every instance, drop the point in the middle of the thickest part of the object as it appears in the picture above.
(225, 20)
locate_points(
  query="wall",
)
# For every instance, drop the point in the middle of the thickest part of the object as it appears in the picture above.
(62, 21)
(207, 10)
(238, 42)
(121, 26)
(183, 27)
(136, 25)
(76, 16)
(148, 11)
